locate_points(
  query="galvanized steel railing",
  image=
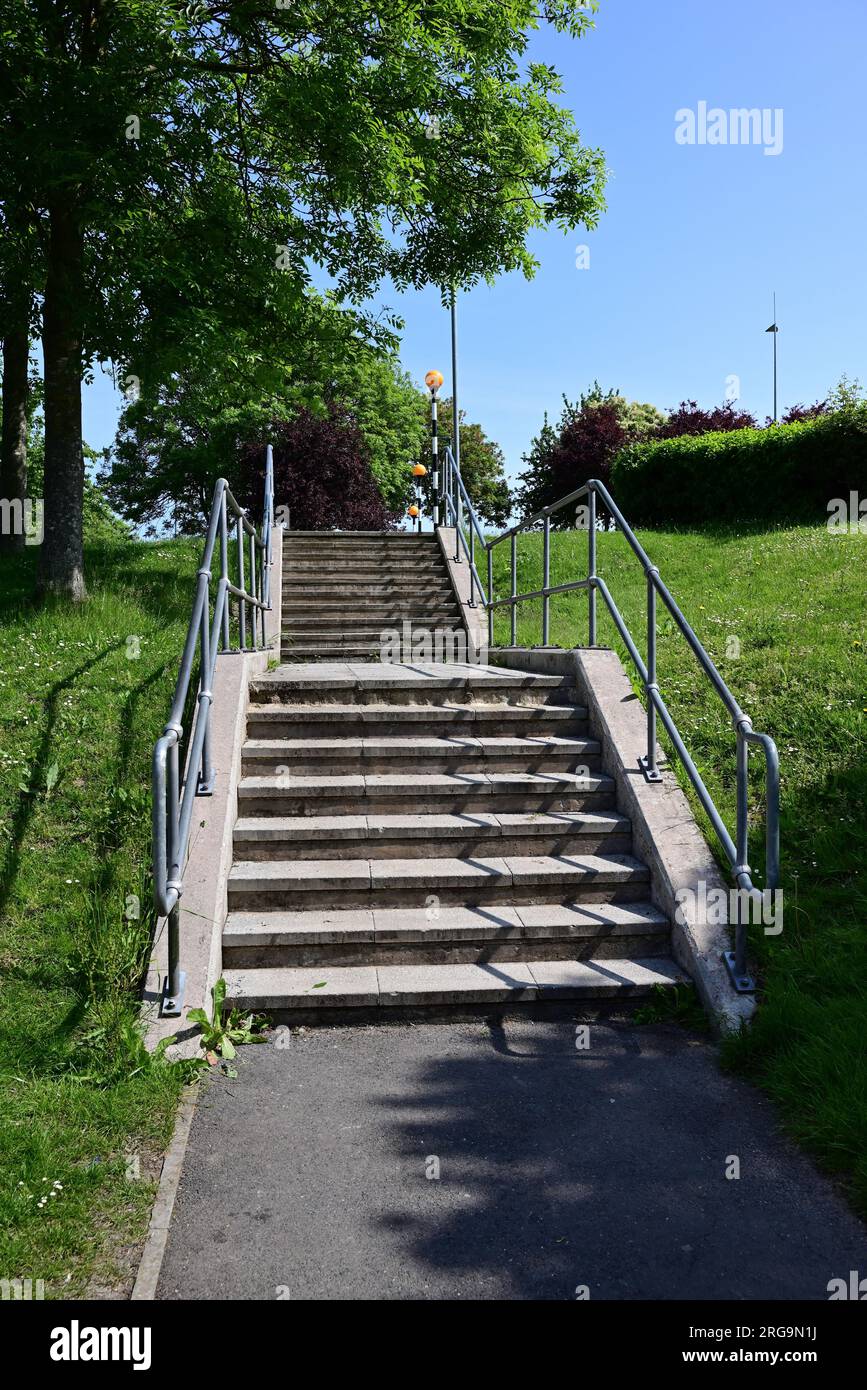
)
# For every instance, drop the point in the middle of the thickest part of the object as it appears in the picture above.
(457, 504)
(208, 634)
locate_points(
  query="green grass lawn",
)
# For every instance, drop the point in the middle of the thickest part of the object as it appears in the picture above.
(83, 694)
(796, 600)
(83, 1108)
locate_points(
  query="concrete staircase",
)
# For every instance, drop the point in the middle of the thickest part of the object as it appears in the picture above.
(343, 590)
(423, 839)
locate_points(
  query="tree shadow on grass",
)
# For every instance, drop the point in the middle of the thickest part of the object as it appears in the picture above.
(25, 805)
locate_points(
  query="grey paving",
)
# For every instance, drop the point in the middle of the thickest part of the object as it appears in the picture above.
(558, 1168)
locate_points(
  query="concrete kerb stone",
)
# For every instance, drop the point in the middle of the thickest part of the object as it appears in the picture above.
(204, 900)
(151, 1262)
(666, 835)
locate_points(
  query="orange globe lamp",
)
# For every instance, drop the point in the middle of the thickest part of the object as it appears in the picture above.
(433, 380)
(412, 511)
(419, 471)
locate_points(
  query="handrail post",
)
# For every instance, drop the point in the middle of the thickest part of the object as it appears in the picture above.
(546, 580)
(224, 568)
(175, 982)
(472, 565)
(513, 607)
(268, 523)
(254, 612)
(490, 595)
(648, 763)
(206, 777)
(458, 520)
(591, 571)
(736, 960)
(242, 607)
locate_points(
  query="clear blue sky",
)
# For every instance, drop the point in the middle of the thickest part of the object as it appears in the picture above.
(695, 239)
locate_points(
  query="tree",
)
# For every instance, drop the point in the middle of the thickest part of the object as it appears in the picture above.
(322, 475)
(180, 159)
(690, 418)
(20, 399)
(583, 446)
(176, 439)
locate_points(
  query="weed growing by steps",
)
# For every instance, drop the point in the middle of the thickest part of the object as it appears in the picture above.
(223, 1034)
(783, 615)
(679, 1005)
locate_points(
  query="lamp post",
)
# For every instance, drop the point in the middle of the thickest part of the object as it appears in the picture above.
(419, 471)
(433, 381)
(456, 419)
(775, 330)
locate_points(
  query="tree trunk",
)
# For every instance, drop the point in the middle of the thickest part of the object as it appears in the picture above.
(13, 445)
(61, 562)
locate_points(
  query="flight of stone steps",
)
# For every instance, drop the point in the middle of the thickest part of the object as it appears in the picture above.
(430, 840)
(344, 591)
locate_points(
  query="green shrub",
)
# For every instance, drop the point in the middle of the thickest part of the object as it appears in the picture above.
(782, 473)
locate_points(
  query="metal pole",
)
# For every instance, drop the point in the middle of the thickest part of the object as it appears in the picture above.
(546, 581)
(435, 459)
(253, 611)
(206, 781)
(472, 565)
(490, 595)
(591, 572)
(175, 981)
(743, 846)
(650, 764)
(514, 607)
(242, 607)
(456, 419)
(775, 361)
(458, 508)
(224, 567)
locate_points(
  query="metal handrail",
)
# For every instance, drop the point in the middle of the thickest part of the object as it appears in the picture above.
(173, 794)
(736, 848)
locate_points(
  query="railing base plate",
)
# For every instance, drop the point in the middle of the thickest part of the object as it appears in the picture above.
(743, 984)
(206, 788)
(172, 1004)
(653, 775)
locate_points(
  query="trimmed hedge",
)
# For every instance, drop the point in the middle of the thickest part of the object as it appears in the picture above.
(783, 473)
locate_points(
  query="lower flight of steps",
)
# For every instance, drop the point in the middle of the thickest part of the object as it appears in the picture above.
(430, 838)
(346, 593)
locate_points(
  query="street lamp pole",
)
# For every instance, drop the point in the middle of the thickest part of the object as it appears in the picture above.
(775, 330)
(456, 419)
(433, 381)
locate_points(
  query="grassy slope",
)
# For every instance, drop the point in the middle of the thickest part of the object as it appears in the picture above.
(797, 601)
(78, 1106)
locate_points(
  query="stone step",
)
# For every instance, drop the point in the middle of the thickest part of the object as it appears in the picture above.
(388, 634)
(429, 835)
(417, 882)
(312, 721)
(445, 793)
(320, 617)
(365, 683)
(330, 651)
(455, 935)
(404, 571)
(380, 992)
(420, 753)
(385, 585)
(410, 539)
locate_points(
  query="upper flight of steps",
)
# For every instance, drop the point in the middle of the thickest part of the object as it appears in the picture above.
(342, 590)
(436, 837)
